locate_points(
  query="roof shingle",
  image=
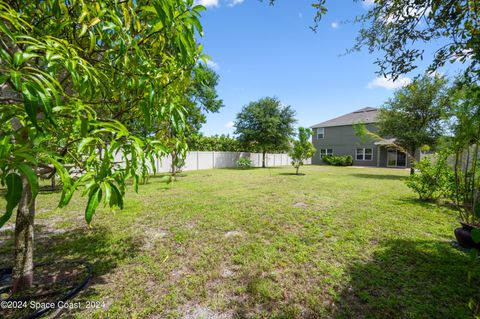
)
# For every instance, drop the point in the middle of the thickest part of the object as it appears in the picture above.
(364, 115)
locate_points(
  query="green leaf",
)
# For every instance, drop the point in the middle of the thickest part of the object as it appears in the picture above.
(27, 156)
(61, 170)
(68, 193)
(476, 235)
(117, 198)
(83, 143)
(108, 192)
(13, 196)
(28, 172)
(4, 78)
(135, 183)
(5, 55)
(477, 210)
(94, 22)
(84, 29)
(17, 58)
(93, 201)
(84, 127)
(15, 77)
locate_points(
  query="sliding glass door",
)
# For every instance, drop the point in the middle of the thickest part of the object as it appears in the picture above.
(396, 158)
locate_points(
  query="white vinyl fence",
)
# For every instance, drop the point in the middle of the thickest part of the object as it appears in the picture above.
(206, 160)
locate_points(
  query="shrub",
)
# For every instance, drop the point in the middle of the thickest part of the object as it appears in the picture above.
(345, 160)
(431, 180)
(244, 162)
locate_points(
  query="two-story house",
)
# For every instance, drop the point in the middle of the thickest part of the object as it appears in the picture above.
(337, 137)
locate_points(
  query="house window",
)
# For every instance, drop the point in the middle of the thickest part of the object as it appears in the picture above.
(320, 133)
(326, 151)
(364, 154)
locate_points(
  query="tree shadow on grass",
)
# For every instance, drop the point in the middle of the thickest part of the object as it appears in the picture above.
(410, 279)
(379, 176)
(403, 279)
(292, 174)
(414, 200)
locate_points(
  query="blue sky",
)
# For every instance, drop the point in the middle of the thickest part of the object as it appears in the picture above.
(261, 50)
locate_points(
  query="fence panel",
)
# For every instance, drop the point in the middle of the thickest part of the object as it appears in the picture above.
(206, 160)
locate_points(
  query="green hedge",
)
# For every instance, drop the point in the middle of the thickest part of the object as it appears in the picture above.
(345, 160)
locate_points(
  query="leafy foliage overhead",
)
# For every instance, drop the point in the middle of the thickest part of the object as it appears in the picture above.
(75, 77)
(400, 29)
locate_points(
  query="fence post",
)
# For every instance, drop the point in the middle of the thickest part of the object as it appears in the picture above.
(213, 159)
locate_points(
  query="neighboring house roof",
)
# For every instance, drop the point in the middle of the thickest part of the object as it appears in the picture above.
(365, 115)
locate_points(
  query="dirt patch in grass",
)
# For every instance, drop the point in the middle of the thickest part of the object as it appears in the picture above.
(234, 233)
(200, 312)
(300, 205)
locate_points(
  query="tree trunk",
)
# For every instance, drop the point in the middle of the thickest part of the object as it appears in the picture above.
(412, 160)
(173, 167)
(298, 167)
(263, 159)
(23, 260)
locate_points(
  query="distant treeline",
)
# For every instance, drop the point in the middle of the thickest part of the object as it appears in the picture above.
(222, 143)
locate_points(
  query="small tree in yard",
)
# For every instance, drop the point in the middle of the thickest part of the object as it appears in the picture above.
(266, 125)
(302, 148)
(77, 79)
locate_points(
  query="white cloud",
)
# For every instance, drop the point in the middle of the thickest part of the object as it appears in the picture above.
(335, 25)
(208, 3)
(234, 2)
(213, 65)
(388, 83)
(230, 124)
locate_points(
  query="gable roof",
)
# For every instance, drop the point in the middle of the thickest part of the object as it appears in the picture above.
(365, 115)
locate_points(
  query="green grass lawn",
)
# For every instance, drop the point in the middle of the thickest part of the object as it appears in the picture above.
(262, 243)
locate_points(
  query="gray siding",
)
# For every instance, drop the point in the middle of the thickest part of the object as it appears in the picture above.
(343, 141)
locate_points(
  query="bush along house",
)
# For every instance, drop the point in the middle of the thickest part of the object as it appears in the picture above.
(337, 137)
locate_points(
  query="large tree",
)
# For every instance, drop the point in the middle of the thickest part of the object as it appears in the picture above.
(202, 97)
(76, 79)
(415, 115)
(266, 124)
(401, 30)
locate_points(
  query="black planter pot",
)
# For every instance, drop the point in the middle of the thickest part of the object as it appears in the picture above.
(464, 237)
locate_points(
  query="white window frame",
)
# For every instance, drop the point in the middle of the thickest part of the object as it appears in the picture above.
(322, 130)
(363, 154)
(324, 152)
